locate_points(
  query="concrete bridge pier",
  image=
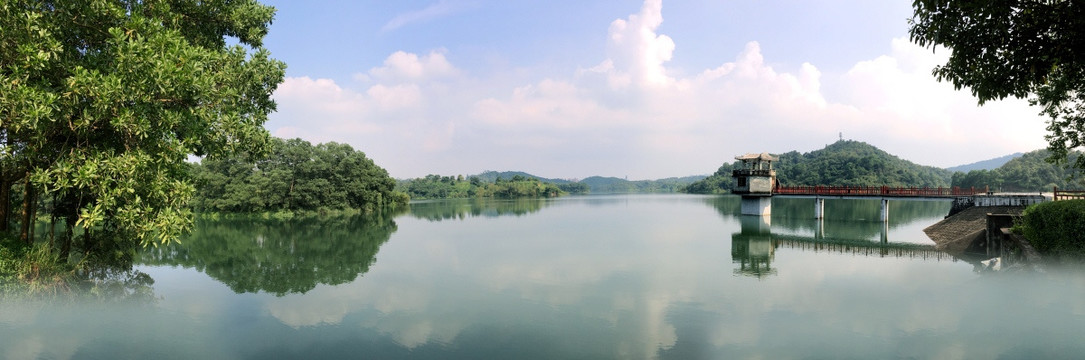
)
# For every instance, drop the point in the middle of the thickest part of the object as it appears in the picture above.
(757, 205)
(819, 208)
(885, 210)
(885, 232)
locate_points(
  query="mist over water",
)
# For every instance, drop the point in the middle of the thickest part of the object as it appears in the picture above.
(624, 276)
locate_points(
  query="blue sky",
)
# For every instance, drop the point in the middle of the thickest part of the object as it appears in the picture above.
(638, 89)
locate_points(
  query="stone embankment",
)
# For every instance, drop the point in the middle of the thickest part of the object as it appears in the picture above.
(981, 231)
(957, 233)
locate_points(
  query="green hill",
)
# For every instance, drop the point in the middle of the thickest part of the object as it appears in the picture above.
(1029, 172)
(613, 185)
(844, 163)
(491, 176)
(990, 164)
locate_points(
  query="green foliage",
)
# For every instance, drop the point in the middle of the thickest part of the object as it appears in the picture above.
(1015, 48)
(575, 188)
(613, 185)
(1056, 228)
(989, 164)
(844, 163)
(296, 176)
(280, 257)
(449, 187)
(855, 163)
(719, 182)
(101, 102)
(32, 269)
(1027, 173)
(492, 176)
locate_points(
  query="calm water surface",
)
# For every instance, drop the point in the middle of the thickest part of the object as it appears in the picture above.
(628, 277)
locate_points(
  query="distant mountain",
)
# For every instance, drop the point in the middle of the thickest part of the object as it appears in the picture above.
(844, 163)
(490, 176)
(613, 185)
(986, 164)
(1028, 172)
(606, 185)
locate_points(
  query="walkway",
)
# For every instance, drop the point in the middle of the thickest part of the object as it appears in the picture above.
(878, 191)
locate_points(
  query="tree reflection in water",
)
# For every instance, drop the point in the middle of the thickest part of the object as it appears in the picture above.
(459, 209)
(280, 256)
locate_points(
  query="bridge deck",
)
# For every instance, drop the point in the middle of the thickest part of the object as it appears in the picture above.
(878, 191)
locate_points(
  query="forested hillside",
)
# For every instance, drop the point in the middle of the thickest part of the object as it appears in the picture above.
(492, 176)
(613, 185)
(1030, 172)
(297, 176)
(990, 164)
(458, 187)
(844, 163)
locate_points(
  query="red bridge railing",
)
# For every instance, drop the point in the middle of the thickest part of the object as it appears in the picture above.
(1068, 194)
(878, 191)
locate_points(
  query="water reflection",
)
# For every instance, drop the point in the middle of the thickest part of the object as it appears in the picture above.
(752, 248)
(634, 279)
(280, 257)
(844, 218)
(846, 229)
(459, 209)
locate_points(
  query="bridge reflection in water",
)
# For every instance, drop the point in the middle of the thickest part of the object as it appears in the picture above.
(754, 247)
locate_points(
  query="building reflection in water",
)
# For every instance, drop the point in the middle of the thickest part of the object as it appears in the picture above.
(752, 248)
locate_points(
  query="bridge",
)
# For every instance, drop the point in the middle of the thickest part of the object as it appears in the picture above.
(753, 249)
(757, 183)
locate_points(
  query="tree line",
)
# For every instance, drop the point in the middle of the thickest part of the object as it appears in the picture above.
(457, 187)
(1027, 173)
(844, 163)
(296, 177)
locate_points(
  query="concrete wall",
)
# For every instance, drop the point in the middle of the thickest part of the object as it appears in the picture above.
(760, 184)
(1007, 200)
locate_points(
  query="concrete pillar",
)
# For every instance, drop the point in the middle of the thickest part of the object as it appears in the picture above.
(819, 208)
(885, 210)
(757, 205)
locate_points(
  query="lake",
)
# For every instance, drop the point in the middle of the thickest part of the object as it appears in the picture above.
(592, 277)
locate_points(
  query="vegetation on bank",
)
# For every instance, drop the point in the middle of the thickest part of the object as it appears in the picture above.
(1030, 172)
(613, 185)
(32, 269)
(844, 163)
(296, 177)
(458, 187)
(102, 103)
(1055, 228)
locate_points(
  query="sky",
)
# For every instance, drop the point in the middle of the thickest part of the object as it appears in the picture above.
(635, 89)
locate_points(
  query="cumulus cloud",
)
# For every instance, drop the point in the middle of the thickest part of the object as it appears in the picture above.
(637, 51)
(630, 115)
(402, 66)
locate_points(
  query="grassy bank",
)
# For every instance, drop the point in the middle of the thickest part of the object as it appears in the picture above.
(32, 269)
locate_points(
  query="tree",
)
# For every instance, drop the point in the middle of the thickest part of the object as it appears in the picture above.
(101, 103)
(1019, 48)
(296, 176)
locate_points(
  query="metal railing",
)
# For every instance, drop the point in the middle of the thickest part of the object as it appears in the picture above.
(880, 191)
(1068, 194)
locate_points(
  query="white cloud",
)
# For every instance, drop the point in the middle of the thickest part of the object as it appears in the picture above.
(637, 52)
(395, 97)
(403, 66)
(630, 115)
